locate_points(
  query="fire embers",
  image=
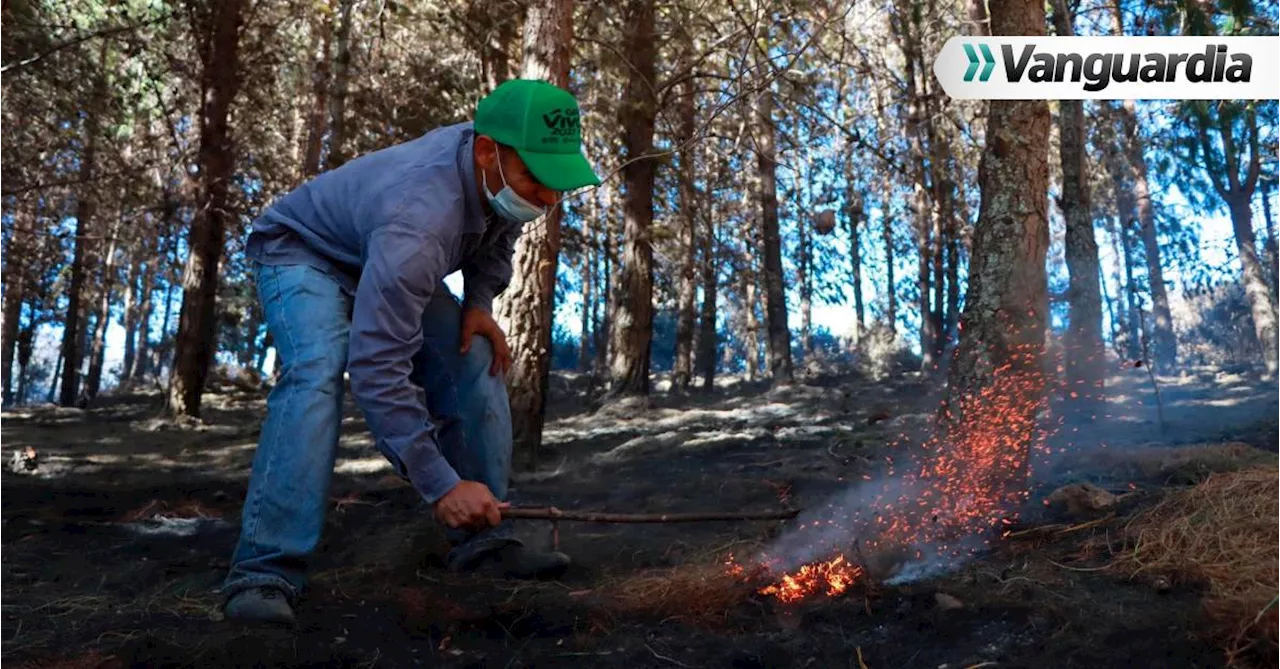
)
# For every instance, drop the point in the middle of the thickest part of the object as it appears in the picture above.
(955, 494)
(830, 578)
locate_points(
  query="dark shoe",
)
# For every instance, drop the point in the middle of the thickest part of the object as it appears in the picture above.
(516, 561)
(264, 605)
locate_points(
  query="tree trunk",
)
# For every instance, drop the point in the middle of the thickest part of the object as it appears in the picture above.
(495, 25)
(632, 326)
(195, 344)
(15, 288)
(527, 307)
(86, 204)
(131, 295)
(142, 358)
(804, 262)
(53, 380)
(775, 297)
(978, 22)
(707, 344)
(1085, 356)
(1273, 252)
(1126, 212)
(752, 323)
(924, 172)
(608, 298)
(320, 75)
(26, 347)
(1255, 280)
(1164, 351)
(996, 381)
(102, 318)
(588, 276)
(886, 227)
(341, 82)
(253, 323)
(853, 200)
(682, 373)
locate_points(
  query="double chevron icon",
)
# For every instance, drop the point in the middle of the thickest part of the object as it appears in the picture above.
(974, 62)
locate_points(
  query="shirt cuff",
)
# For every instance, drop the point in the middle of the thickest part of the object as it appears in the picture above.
(478, 298)
(432, 476)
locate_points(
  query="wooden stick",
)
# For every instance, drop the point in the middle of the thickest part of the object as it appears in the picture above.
(552, 513)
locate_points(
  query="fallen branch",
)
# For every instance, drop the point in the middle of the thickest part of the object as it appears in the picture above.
(552, 513)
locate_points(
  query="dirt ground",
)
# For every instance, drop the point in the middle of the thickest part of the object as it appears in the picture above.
(115, 545)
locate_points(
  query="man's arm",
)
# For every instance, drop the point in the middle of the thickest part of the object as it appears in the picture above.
(487, 274)
(402, 268)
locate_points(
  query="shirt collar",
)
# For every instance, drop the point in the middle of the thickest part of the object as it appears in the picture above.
(477, 213)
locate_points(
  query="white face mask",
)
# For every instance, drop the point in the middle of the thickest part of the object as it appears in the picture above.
(508, 203)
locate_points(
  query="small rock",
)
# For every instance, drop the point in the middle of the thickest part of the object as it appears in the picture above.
(947, 602)
(1080, 500)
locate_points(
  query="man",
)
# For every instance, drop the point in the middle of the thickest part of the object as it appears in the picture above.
(349, 273)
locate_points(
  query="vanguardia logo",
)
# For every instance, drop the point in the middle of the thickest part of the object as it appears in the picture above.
(1047, 68)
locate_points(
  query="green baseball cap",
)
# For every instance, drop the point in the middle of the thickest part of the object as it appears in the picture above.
(540, 121)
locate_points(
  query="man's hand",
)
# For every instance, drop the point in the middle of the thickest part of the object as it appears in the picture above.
(471, 505)
(479, 322)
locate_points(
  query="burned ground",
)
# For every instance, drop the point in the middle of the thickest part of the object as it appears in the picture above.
(115, 545)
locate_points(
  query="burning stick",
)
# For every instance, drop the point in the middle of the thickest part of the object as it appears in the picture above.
(555, 515)
(552, 513)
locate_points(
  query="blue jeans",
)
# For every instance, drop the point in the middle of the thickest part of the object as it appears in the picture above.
(309, 317)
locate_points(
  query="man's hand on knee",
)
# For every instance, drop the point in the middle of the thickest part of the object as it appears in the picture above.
(480, 322)
(469, 505)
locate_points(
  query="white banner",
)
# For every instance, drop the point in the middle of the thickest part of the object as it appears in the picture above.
(1110, 68)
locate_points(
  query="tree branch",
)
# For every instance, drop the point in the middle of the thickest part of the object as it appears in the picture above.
(80, 39)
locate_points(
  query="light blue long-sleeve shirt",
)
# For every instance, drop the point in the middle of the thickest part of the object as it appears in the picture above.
(389, 226)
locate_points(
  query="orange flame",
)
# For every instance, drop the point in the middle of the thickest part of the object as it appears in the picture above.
(831, 578)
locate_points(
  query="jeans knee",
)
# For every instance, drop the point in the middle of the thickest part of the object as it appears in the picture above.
(478, 360)
(318, 371)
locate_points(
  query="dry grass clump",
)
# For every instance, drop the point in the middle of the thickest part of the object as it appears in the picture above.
(1220, 535)
(700, 592)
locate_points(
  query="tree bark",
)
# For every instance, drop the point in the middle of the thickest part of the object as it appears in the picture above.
(775, 297)
(707, 335)
(1126, 214)
(1235, 181)
(886, 230)
(632, 326)
(1085, 356)
(682, 373)
(1273, 251)
(26, 347)
(1164, 351)
(320, 76)
(86, 204)
(853, 200)
(979, 24)
(588, 278)
(1255, 281)
(496, 30)
(15, 288)
(218, 36)
(131, 295)
(996, 381)
(102, 317)
(804, 261)
(527, 307)
(142, 359)
(341, 82)
(608, 292)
